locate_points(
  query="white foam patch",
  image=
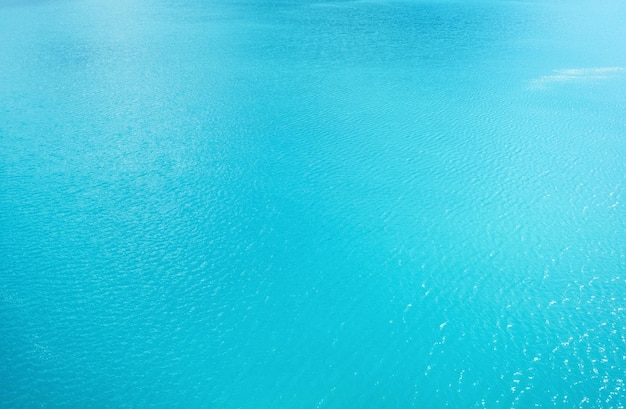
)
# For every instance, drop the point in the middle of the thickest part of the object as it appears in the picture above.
(575, 74)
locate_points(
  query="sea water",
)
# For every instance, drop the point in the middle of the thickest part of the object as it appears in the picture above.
(312, 204)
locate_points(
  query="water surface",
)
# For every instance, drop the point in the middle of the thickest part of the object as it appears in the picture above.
(298, 204)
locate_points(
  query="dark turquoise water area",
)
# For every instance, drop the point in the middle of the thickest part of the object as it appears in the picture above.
(297, 204)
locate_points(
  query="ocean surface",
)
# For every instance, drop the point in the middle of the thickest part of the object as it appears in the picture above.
(299, 204)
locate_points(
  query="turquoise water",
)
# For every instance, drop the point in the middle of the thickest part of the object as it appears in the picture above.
(299, 204)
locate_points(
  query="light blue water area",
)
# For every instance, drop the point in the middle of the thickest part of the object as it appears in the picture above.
(300, 204)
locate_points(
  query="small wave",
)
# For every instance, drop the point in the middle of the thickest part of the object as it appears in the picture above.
(575, 74)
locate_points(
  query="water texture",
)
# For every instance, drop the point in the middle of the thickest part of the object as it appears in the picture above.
(299, 204)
